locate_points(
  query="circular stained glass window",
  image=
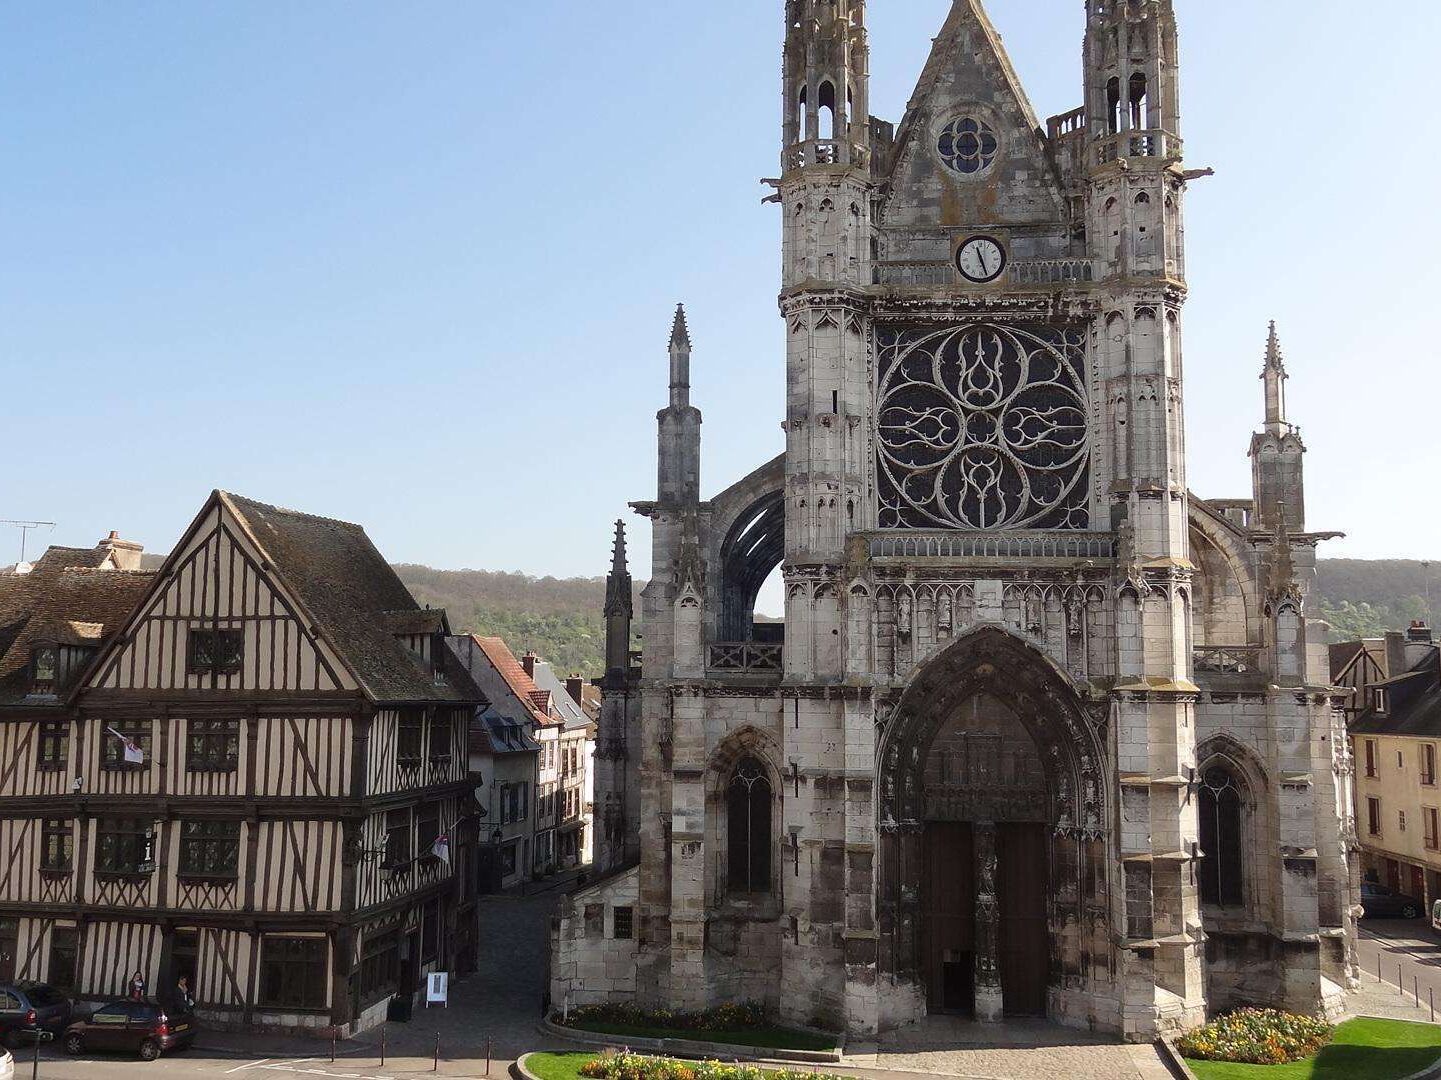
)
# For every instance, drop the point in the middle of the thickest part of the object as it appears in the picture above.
(968, 145)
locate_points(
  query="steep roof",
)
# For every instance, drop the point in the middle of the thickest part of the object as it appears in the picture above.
(561, 702)
(355, 599)
(510, 674)
(493, 733)
(59, 603)
(1414, 706)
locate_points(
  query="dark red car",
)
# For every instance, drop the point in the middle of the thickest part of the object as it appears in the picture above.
(146, 1028)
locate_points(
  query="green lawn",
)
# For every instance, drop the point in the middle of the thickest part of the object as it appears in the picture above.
(1362, 1050)
(557, 1066)
(771, 1038)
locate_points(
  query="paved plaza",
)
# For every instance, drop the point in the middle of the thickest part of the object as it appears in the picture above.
(499, 1009)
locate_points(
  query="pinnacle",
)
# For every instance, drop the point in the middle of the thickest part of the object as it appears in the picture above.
(618, 552)
(1274, 359)
(679, 331)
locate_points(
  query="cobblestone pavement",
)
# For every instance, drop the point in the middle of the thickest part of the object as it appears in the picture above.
(1017, 1050)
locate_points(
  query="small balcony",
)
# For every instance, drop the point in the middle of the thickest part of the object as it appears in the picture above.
(747, 657)
(1228, 660)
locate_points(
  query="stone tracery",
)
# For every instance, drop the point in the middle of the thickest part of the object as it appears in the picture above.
(983, 427)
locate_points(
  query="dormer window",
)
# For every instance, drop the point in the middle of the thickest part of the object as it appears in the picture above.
(44, 668)
(1380, 699)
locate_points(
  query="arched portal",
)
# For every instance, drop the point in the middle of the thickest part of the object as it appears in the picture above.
(993, 891)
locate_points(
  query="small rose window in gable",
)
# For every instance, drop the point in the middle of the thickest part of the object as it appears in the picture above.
(967, 145)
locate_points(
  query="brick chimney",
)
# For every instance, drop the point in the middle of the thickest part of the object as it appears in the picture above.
(528, 662)
(1419, 633)
(575, 687)
(125, 553)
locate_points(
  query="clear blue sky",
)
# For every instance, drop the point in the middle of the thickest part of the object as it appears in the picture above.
(413, 264)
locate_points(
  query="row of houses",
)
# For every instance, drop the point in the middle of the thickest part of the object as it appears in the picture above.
(539, 787)
(253, 767)
(1394, 718)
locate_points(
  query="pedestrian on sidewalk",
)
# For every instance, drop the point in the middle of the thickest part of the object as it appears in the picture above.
(182, 989)
(137, 987)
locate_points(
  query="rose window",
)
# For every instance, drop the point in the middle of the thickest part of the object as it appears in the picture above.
(982, 427)
(968, 145)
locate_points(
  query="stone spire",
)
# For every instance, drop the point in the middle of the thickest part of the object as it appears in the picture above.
(679, 360)
(1274, 376)
(619, 606)
(1277, 453)
(679, 422)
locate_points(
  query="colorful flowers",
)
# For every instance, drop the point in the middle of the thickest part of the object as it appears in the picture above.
(638, 1067)
(1257, 1037)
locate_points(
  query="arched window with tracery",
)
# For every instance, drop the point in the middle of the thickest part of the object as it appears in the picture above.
(1222, 881)
(748, 828)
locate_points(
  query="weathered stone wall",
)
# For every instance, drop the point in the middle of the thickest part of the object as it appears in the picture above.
(589, 964)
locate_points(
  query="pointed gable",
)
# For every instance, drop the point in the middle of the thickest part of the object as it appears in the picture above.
(969, 77)
(312, 605)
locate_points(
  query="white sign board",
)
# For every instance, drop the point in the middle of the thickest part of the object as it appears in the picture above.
(437, 989)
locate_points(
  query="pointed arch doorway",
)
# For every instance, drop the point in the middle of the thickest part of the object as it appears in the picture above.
(992, 850)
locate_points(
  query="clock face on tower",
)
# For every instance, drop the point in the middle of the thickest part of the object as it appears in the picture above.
(981, 259)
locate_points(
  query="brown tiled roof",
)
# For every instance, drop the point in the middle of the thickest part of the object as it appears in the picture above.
(429, 621)
(355, 599)
(66, 558)
(58, 604)
(521, 685)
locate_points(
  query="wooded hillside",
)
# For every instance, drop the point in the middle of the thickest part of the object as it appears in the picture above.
(560, 618)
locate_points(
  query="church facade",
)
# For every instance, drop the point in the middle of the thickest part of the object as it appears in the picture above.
(1043, 733)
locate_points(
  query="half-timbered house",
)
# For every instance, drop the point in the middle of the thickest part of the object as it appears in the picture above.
(54, 616)
(260, 784)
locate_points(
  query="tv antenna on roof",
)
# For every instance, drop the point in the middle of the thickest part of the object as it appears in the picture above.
(25, 527)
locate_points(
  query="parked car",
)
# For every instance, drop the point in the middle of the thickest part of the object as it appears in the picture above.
(27, 1007)
(1379, 902)
(146, 1028)
(7, 1065)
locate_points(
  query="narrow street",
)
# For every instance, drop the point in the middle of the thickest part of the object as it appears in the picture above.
(495, 1010)
(1404, 953)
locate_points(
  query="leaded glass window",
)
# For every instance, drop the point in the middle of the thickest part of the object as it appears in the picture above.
(968, 145)
(748, 828)
(1221, 868)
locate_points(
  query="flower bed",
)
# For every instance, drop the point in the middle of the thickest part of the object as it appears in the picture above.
(721, 1018)
(638, 1067)
(1257, 1037)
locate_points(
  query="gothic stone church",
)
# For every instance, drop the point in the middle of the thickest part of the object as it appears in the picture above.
(1043, 733)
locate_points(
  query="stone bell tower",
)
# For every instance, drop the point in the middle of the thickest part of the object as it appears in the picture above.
(825, 194)
(1135, 187)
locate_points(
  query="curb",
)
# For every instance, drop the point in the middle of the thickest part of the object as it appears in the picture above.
(1173, 1059)
(687, 1048)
